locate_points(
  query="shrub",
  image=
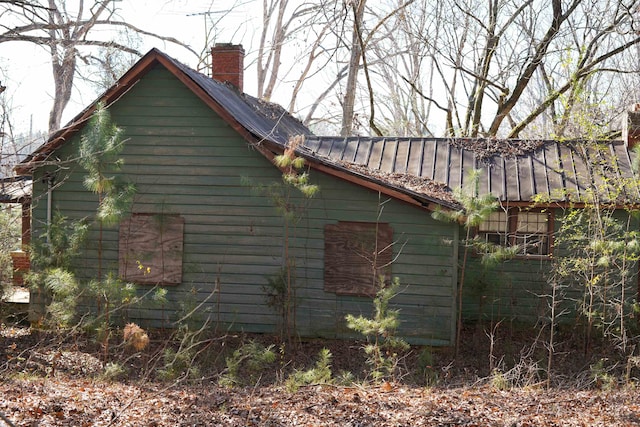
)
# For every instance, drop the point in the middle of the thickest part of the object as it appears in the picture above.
(250, 359)
(319, 374)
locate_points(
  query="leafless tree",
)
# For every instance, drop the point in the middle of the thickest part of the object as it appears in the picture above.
(299, 33)
(357, 8)
(516, 68)
(508, 68)
(68, 35)
(511, 64)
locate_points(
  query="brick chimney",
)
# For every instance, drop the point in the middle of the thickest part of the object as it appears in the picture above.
(227, 63)
(631, 126)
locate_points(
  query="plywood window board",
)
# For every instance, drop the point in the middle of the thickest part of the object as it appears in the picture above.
(356, 254)
(150, 249)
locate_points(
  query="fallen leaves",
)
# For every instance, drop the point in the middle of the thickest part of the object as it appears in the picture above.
(32, 393)
(64, 401)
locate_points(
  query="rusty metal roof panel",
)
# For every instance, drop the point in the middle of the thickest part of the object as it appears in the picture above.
(375, 159)
(388, 155)
(414, 156)
(442, 163)
(589, 161)
(539, 172)
(349, 151)
(497, 180)
(402, 156)
(363, 152)
(314, 144)
(416, 160)
(559, 171)
(455, 170)
(550, 163)
(337, 148)
(429, 159)
(467, 163)
(512, 180)
(570, 176)
(326, 147)
(526, 180)
(625, 170)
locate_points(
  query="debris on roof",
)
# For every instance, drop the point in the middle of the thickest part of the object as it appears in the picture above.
(416, 184)
(485, 148)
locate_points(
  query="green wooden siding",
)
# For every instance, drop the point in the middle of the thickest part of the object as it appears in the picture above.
(186, 160)
(518, 290)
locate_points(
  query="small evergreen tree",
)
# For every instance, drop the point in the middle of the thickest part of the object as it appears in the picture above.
(52, 278)
(379, 330)
(99, 154)
(285, 195)
(474, 209)
(596, 250)
(100, 147)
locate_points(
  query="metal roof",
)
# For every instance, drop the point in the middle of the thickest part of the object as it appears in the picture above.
(418, 170)
(259, 121)
(264, 119)
(512, 170)
(14, 190)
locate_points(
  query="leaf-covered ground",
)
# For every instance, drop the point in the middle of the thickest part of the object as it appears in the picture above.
(49, 381)
(81, 402)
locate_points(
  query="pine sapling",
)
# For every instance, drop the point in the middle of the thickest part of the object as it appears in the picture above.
(382, 344)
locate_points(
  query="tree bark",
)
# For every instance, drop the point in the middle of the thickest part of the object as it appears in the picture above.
(348, 103)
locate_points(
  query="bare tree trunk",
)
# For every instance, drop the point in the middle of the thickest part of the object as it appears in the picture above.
(63, 71)
(348, 104)
(63, 33)
(540, 52)
(272, 59)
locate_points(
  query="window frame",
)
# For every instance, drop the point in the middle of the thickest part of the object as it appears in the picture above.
(513, 234)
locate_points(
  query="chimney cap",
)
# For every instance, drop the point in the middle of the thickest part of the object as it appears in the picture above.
(228, 45)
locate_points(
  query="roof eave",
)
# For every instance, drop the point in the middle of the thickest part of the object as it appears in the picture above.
(270, 149)
(375, 184)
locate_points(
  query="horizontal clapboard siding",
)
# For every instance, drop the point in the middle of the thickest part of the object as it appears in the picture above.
(519, 290)
(186, 161)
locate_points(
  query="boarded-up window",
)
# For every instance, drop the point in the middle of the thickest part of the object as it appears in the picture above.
(150, 248)
(355, 255)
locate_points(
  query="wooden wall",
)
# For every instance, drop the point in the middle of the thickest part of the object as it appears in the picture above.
(518, 290)
(186, 161)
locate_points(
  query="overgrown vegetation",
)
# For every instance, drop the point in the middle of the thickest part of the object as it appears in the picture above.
(246, 364)
(51, 278)
(54, 278)
(597, 248)
(291, 196)
(593, 275)
(382, 345)
(99, 154)
(592, 280)
(10, 229)
(475, 208)
(319, 374)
